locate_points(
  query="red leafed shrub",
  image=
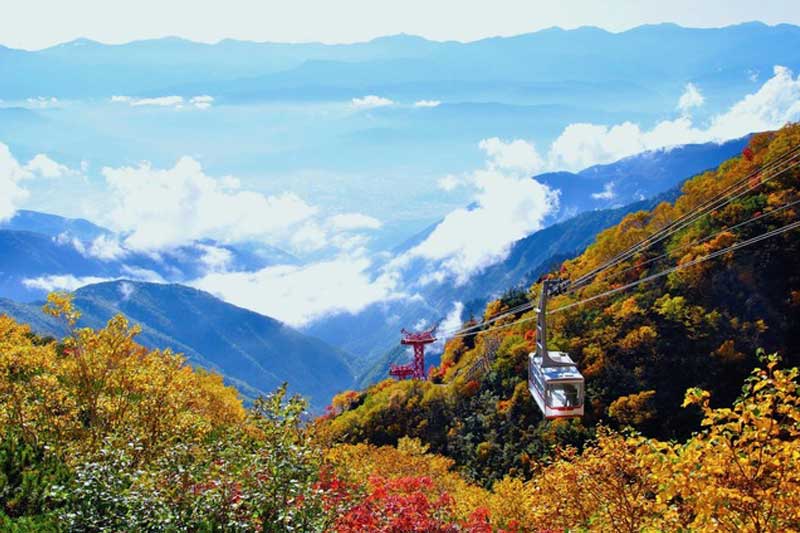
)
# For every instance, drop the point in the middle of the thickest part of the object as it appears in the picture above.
(530, 338)
(337, 496)
(471, 388)
(402, 505)
(480, 522)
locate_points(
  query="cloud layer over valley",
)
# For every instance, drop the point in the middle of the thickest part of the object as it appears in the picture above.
(155, 209)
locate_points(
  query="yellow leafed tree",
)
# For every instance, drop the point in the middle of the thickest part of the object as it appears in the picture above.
(101, 384)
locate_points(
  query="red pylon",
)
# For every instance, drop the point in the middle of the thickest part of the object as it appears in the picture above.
(416, 369)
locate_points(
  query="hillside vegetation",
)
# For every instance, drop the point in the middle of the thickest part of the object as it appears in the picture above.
(691, 426)
(253, 352)
(99, 434)
(640, 349)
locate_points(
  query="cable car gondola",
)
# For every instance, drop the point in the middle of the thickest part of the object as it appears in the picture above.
(553, 378)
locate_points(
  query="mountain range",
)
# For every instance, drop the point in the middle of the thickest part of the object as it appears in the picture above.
(339, 126)
(372, 335)
(251, 351)
(409, 66)
(35, 247)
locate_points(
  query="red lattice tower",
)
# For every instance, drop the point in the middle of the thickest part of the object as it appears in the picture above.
(416, 369)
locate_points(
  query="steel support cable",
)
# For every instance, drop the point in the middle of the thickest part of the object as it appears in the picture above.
(504, 314)
(696, 213)
(729, 249)
(673, 227)
(791, 154)
(732, 248)
(703, 239)
(686, 222)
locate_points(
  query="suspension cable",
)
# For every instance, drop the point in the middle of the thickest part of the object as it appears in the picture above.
(671, 229)
(704, 239)
(728, 249)
(694, 213)
(738, 188)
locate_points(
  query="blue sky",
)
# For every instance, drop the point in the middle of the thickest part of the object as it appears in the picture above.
(34, 24)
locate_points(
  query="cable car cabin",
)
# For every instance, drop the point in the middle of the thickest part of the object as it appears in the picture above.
(558, 390)
(553, 378)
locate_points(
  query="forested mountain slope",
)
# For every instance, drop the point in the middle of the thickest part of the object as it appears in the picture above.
(253, 352)
(640, 349)
(653, 175)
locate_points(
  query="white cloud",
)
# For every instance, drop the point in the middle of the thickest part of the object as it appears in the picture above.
(160, 101)
(773, 105)
(448, 183)
(338, 231)
(582, 145)
(349, 242)
(62, 282)
(691, 97)
(106, 248)
(126, 290)
(298, 295)
(506, 208)
(159, 209)
(353, 221)
(451, 322)
(202, 102)
(310, 237)
(42, 102)
(215, 258)
(427, 103)
(68, 282)
(45, 167)
(517, 155)
(371, 101)
(607, 192)
(65, 239)
(11, 173)
(142, 274)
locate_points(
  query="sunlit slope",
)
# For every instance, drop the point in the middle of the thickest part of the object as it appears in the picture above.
(640, 348)
(254, 352)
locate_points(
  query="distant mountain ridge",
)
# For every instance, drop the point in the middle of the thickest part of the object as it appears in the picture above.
(253, 352)
(54, 225)
(655, 175)
(40, 245)
(87, 68)
(636, 177)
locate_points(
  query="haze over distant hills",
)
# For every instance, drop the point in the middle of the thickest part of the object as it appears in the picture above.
(409, 66)
(340, 124)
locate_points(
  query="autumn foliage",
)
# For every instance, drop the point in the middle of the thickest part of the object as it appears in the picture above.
(98, 433)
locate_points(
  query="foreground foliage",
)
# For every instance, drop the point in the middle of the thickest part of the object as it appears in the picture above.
(740, 473)
(219, 467)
